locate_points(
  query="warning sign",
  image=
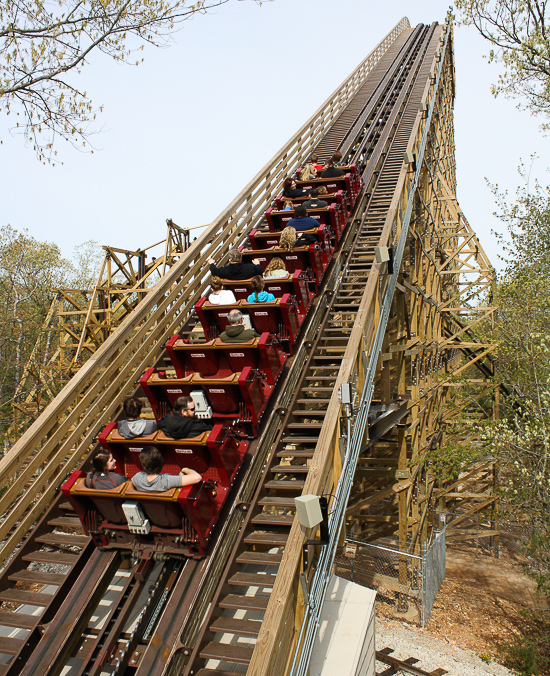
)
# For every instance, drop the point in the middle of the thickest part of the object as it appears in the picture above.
(350, 550)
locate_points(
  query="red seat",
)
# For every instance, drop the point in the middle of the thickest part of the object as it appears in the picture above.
(241, 288)
(323, 233)
(162, 392)
(262, 354)
(213, 317)
(223, 394)
(339, 197)
(278, 317)
(188, 357)
(295, 284)
(307, 258)
(103, 499)
(190, 512)
(162, 508)
(239, 396)
(263, 240)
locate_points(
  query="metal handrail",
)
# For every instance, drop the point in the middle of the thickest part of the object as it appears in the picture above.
(317, 591)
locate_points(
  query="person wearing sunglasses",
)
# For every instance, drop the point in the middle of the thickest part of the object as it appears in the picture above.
(182, 423)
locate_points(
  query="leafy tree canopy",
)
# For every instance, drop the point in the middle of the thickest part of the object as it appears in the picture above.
(518, 33)
(521, 438)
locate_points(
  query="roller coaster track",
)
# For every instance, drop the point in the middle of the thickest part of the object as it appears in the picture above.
(240, 605)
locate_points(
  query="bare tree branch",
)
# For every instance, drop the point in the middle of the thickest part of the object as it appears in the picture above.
(41, 40)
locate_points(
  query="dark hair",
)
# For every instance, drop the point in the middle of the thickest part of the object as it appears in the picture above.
(322, 190)
(337, 156)
(132, 407)
(288, 183)
(314, 157)
(330, 163)
(300, 211)
(100, 460)
(314, 192)
(151, 460)
(182, 404)
(257, 284)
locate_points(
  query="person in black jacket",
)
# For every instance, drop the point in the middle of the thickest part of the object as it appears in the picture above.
(290, 189)
(182, 423)
(313, 202)
(331, 171)
(236, 269)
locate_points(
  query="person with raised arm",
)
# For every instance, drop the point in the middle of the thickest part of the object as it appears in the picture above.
(151, 480)
(236, 269)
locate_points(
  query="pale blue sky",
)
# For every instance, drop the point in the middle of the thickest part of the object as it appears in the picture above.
(186, 131)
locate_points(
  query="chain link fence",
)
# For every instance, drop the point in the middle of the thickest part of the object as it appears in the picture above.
(486, 537)
(404, 580)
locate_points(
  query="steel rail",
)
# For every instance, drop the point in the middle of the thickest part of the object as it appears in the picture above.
(318, 349)
(64, 643)
(277, 638)
(60, 438)
(322, 574)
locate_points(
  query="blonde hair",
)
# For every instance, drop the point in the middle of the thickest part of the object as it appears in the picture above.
(288, 238)
(288, 203)
(322, 190)
(308, 172)
(216, 284)
(276, 263)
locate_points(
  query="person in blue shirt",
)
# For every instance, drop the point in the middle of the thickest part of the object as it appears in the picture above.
(259, 295)
(301, 220)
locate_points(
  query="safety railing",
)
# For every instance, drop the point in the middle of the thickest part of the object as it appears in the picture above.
(398, 575)
(56, 442)
(293, 612)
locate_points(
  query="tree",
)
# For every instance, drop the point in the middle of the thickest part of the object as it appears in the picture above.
(44, 44)
(519, 33)
(521, 438)
(28, 271)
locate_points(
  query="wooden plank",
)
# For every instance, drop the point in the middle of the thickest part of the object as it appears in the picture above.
(38, 577)
(28, 597)
(52, 557)
(225, 651)
(236, 602)
(11, 646)
(231, 625)
(19, 620)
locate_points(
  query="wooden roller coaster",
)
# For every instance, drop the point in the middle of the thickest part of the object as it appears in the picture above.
(395, 321)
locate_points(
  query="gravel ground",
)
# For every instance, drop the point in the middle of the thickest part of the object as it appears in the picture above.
(432, 652)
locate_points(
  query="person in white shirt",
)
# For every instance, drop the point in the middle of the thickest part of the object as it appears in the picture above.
(219, 295)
